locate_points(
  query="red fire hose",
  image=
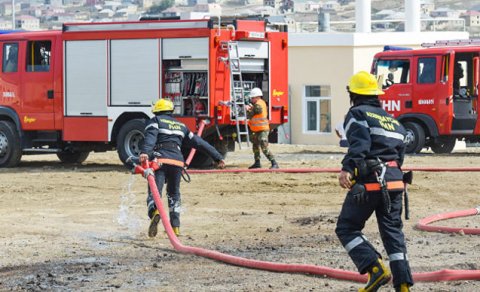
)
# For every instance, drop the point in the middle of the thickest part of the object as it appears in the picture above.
(423, 224)
(442, 275)
(328, 170)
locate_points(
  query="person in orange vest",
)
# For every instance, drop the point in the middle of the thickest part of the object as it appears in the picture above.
(259, 128)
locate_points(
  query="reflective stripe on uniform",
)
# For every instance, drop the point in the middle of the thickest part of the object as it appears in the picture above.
(400, 256)
(154, 125)
(151, 204)
(353, 120)
(171, 162)
(391, 185)
(385, 133)
(170, 132)
(355, 242)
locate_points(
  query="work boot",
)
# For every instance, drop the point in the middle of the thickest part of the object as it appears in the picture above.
(153, 228)
(378, 275)
(404, 287)
(176, 230)
(274, 165)
(255, 165)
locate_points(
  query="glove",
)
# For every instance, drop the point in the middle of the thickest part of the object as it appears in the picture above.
(359, 194)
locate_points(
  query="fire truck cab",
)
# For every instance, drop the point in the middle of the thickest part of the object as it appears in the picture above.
(433, 92)
(90, 86)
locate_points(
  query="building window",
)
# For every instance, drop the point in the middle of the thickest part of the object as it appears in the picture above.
(317, 109)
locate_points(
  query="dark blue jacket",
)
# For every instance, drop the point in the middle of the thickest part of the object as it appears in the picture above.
(373, 133)
(166, 135)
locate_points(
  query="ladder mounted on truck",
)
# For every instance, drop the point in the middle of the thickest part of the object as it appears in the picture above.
(453, 43)
(237, 92)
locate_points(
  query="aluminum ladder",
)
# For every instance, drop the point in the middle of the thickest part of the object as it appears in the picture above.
(237, 94)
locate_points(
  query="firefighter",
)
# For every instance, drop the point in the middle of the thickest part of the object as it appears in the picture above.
(371, 172)
(259, 128)
(164, 137)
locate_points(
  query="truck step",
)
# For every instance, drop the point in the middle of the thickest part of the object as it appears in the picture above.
(41, 150)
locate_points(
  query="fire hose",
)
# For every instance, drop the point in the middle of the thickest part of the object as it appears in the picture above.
(423, 223)
(148, 173)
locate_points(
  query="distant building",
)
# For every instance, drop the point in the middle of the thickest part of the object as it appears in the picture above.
(427, 6)
(27, 22)
(4, 24)
(445, 12)
(330, 6)
(472, 18)
(312, 6)
(146, 3)
(6, 8)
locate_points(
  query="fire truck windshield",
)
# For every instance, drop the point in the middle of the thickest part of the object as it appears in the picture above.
(391, 72)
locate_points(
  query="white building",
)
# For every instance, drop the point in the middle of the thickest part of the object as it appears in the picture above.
(320, 65)
(27, 22)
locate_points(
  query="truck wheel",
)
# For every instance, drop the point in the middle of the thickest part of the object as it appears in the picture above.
(443, 145)
(10, 149)
(415, 138)
(130, 139)
(222, 147)
(73, 156)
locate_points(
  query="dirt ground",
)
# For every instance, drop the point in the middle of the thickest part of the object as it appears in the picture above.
(83, 228)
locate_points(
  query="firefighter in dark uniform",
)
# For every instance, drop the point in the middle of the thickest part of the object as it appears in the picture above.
(371, 172)
(164, 137)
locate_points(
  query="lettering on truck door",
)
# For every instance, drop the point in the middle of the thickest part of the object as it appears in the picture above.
(394, 76)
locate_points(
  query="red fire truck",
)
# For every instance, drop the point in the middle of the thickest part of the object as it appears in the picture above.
(433, 91)
(90, 86)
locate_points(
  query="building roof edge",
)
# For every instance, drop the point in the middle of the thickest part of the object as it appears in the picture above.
(370, 39)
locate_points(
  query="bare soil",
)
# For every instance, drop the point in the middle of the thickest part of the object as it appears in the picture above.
(83, 227)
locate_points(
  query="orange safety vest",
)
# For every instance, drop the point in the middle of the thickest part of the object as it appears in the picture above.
(259, 122)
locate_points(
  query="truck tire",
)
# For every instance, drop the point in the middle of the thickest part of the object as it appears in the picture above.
(443, 145)
(73, 156)
(415, 138)
(130, 139)
(10, 146)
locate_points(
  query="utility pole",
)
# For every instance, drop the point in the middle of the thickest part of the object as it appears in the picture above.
(13, 14)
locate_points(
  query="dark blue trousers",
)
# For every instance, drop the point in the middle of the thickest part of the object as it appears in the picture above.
(171, 175)
(351, 222)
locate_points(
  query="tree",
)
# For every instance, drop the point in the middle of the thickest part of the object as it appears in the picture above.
(158, 8)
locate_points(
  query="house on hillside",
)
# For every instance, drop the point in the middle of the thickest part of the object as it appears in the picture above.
(27, 22)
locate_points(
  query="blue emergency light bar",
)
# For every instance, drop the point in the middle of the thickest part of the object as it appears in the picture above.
(395, 48)
(7, 31)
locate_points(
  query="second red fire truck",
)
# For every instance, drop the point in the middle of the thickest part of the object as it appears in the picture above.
(90, 87)
(433, 92)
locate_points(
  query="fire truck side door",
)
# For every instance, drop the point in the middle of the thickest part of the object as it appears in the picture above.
(431, 94)
(37, 84)
(10, 76)
(394, 77)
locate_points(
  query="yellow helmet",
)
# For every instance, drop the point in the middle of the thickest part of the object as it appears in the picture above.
(162, 105)
(364, 83)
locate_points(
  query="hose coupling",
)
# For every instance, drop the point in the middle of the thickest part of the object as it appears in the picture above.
(147, 172)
